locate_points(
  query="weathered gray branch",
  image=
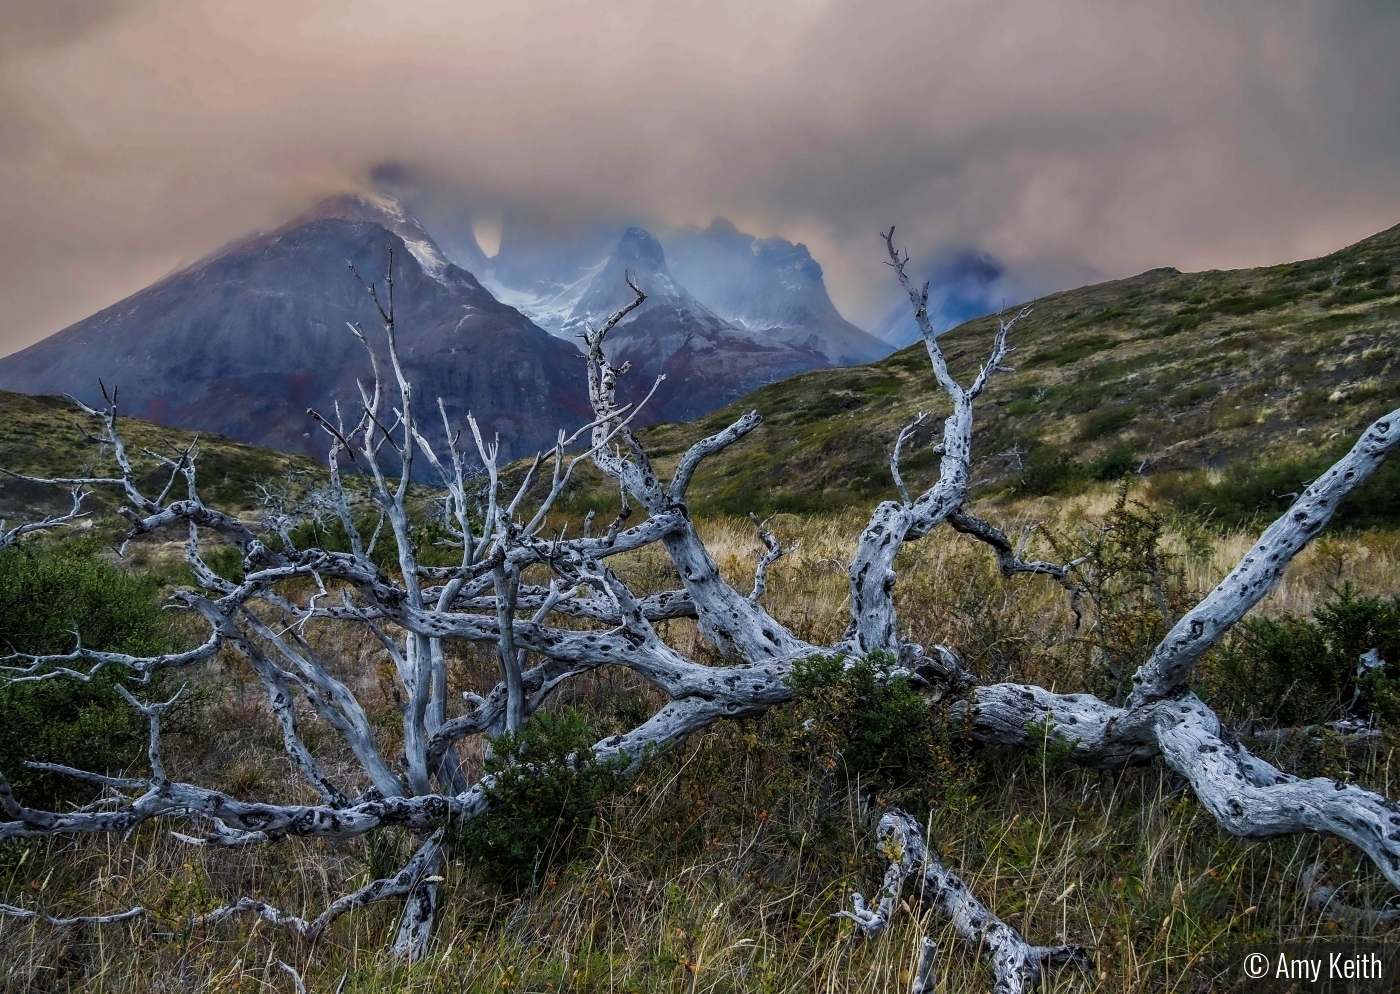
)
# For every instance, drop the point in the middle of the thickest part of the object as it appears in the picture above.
(76, 514)
(121, 916)
(425, 863)
(1168, 670)
(1016, 963)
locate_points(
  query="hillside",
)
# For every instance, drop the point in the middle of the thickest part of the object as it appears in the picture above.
(1189, 372)
(49, 436)
(1202, 380)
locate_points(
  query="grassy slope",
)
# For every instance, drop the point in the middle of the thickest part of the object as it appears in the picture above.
(1188, 368)
(49, 436)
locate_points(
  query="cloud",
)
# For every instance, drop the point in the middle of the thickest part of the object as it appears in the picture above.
(1071, 141)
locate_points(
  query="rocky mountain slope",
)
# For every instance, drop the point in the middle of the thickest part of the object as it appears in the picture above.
(706, 360)
(244, 341)
(1223, 392)
(769, 292)
(770, 287)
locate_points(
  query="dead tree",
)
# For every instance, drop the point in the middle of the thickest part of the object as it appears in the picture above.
(514, 582)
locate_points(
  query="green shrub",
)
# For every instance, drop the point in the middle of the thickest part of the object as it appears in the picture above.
(1116, 463)
(1241, 304)
(1311, 403)
(1050, 470)
(46, 593)
(1297, 670)
(862, 724)
(1132, 587)
(546, 787)
(1078, 348)
(1178, 324)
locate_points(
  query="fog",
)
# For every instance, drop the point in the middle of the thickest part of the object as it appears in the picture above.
(1074, 141)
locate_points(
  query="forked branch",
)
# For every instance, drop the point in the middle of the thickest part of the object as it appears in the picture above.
(1016, 963)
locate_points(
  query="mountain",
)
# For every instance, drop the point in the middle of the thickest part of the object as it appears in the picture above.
(244, 341)
(562, 282)
(770, 287)
(707, 361)
(1223, 392)
(769, 292)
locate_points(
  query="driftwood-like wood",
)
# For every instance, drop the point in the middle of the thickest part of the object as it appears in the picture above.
(485, 597)
(1016, 963)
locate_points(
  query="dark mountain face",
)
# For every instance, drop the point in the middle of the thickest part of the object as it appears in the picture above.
(706, 360)
(243, 342)
(963, 286)
(769, 286)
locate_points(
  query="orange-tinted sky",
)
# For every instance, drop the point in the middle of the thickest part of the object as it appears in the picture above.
(1072, 139)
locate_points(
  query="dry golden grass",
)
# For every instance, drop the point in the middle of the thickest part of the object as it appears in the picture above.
(720, 869)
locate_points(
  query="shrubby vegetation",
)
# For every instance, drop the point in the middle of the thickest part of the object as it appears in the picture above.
(1298, 670)
(50, 594)
(547, 791)
(874, 732)
(1251, 491)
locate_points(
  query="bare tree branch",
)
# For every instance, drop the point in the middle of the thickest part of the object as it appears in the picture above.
(1017, 964)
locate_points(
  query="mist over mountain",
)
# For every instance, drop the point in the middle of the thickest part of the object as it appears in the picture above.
(761, 312)
(768, 286)
(707, 361)
(244, 341)
(962, 286)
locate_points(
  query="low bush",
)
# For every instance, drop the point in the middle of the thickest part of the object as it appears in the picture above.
(1106, 421)
(1295, 670)
(50, 595)
(542, 796)
(1178, 324)
(1116, 463)
(1131, 588)
(1249, 491)
(1050, 470)
(868, 727)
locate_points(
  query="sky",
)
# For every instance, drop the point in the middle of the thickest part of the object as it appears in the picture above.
(1072, 141)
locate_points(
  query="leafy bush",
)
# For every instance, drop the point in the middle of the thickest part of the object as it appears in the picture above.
(1073, 350)
(1297, 670)
(1179, 323)
(46, 593)
(1048, 470)
(1244, 303)
(546, 786)
(861, 723)
(1116, 463)
(1132, 588)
